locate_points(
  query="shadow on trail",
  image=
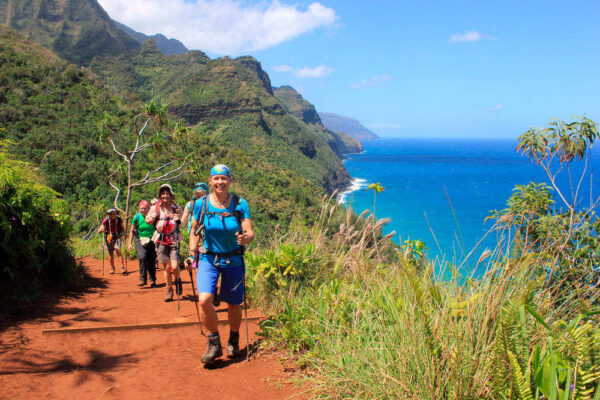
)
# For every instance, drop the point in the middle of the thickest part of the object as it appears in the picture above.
(47, 305)
(98, 362)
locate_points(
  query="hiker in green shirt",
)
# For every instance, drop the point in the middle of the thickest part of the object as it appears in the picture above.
(142, 232)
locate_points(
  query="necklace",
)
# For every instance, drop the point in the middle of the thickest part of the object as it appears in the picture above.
(216, 199)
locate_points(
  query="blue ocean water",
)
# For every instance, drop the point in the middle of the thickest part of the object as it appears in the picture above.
(424, 179)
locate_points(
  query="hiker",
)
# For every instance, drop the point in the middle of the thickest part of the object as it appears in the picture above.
(113, 228)
(225, 220)
(166, 217)
(200, 191)
(142, 233)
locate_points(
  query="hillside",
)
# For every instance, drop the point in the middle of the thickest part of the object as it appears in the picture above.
(351, 126)
(232, 101)
(52, 111)
(296, 105)
(76, 30)
(166, 46)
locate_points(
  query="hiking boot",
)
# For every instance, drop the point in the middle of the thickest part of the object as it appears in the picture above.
(141, 283)
(214, 350)
(178, 287)
(152, 284)
(112, 269)
(216, 300)
(123, 270)
(169, 295)
(233, 344)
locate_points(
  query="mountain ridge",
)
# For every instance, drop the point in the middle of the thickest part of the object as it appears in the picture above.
(351, 126)
(166, 46)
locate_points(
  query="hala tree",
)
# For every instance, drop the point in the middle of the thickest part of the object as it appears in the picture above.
(566, 238)
(149, 130)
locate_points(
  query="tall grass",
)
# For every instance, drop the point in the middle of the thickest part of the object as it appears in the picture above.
(371, 321)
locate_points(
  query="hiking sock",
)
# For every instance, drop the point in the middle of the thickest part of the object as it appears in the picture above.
(233, 344)
(213, 350)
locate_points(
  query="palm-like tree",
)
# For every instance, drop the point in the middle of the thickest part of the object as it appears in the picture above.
(376, 188)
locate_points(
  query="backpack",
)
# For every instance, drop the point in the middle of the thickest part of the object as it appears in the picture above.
(204, 212)
(136, 225)
(166, 237)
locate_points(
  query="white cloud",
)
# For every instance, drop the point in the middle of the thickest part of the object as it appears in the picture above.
(306, 72)
(384, 125)
(282, 68)
(495, 108)
(316, 72)
(224, 27)
(471, 36)
(374, 81)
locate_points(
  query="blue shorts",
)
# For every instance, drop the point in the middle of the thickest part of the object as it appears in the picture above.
(232, 278)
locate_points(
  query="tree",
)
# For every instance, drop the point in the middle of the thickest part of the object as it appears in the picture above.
(376, 188)
(148, 130)
(565, 241)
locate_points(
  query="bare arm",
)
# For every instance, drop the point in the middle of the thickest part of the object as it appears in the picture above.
(131, 235)
(194, 239)
(186, 216)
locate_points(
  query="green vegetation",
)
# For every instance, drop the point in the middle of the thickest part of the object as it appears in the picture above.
(231, 100)
(76, 30)
(369, 320)
(35, 229)
(54, 112)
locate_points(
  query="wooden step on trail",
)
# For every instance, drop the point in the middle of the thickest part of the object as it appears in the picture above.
(106, 328)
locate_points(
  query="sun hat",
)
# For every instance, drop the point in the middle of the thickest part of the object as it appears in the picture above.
(144, 203)
(201, 186)
(165, 186)
(111, 210)
(153, 201)
(220, 169)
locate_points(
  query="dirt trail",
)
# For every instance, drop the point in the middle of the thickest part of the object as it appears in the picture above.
(136, 364)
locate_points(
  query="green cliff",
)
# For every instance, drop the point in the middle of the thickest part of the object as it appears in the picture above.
(76, 30)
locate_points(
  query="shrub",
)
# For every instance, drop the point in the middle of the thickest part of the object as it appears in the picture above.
(34, 233)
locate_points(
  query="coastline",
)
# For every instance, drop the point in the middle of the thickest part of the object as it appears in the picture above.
(355, 184)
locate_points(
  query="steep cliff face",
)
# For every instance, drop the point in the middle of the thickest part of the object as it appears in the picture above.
(76, 30)
(295, 104)
(232, 100)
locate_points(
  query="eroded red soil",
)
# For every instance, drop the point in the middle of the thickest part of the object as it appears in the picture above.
(135, 364)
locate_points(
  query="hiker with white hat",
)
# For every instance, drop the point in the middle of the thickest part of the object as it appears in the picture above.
(166, 217)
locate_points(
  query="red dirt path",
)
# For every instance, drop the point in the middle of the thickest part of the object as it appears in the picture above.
(136, 364)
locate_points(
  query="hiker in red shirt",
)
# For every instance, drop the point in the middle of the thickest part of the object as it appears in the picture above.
(166, 217)
(113, 228)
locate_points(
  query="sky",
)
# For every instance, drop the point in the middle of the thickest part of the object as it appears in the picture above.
(484, 69)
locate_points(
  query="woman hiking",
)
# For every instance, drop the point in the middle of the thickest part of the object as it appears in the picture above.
(200, 191)
(142, 233)
(225, 220)
(113, 228)
(166, 216)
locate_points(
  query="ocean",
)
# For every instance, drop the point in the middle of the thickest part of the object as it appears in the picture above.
(425, 180)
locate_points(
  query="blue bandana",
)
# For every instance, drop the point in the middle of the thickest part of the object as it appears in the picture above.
(220, 169)
(201, 186)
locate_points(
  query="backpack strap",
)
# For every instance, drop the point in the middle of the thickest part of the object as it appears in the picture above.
(136, 225)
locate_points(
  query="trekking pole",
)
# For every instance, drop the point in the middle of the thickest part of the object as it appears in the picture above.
(103, 244)
(246, 310)
(196, 302)
(177, 277)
